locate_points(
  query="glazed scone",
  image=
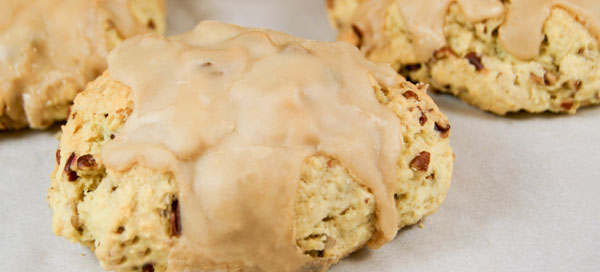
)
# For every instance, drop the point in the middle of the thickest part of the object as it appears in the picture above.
(50, 49)
(478, 50)
(241, 149)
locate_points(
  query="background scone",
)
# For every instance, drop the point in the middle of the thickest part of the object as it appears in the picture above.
(50, 49)
(501, 56)
(240, 149)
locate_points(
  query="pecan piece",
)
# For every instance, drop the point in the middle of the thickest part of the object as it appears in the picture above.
(550, 78)
(86, 162)
(175, 219)
(536, 78)
(474, 60)
(329, 163)
(422, 118)
(148, 268)
(71, 174)
(567, 105)
(58, 155)
(151, 24)
(411, 94)
(443, 53)
(442, 128)
(420, 162)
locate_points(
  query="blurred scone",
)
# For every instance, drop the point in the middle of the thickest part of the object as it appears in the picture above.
(239, 149)
(50, 49)
(501, 56)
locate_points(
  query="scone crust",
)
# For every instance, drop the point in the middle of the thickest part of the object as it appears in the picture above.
(473, 66)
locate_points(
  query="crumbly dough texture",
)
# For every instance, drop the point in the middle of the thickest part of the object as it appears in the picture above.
(127, 218)
(52, 49)
(473, 66)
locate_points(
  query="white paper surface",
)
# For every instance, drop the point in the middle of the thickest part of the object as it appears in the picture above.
(525, 193)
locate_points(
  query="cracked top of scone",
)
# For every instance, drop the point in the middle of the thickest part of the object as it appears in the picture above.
(51, 48)
(231, 148)
(502, 56)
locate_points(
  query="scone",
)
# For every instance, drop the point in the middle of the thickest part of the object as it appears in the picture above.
(501, 56)
(239, 149)
(50, 49)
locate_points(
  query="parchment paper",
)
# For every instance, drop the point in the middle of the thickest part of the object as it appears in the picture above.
(525, 193)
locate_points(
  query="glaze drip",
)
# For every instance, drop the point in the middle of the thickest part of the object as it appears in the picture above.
(425, 20)
(521, 33)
